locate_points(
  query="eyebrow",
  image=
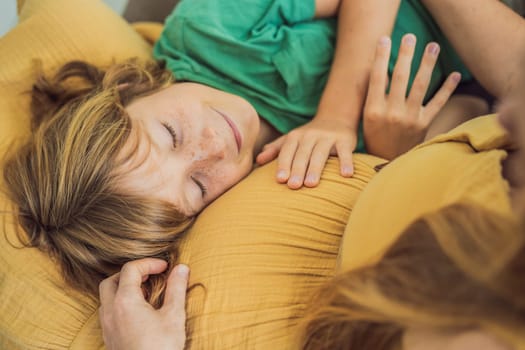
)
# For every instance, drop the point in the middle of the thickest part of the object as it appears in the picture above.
(153, 144)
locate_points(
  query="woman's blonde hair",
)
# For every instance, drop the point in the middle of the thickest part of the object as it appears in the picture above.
(63, 180)
(460, 267)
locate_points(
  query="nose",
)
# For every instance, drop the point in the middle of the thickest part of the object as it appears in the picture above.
(211, 146)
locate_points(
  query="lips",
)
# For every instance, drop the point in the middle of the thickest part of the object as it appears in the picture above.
(236, 133)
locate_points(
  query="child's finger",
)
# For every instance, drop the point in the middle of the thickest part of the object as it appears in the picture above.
(401, 74)
(346, 161)
(441, 97)
(270, 151)
(320, 154)
(300, 162)
(379, 73)
(423, 77)
(285, 159)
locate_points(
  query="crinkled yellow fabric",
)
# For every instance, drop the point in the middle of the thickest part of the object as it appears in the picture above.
(260, 251)
(463, 165)
(37, 311)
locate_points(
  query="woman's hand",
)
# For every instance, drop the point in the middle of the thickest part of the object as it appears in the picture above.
(129, 322)
(303, 152)
(394, 123)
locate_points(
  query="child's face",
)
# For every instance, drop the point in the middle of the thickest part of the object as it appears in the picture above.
(193, 143)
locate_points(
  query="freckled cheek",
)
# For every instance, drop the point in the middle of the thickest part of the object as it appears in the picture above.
(222, 179)
(203, 148)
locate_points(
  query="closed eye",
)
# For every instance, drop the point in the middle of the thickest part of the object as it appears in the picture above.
(172, 132)
(203, 188)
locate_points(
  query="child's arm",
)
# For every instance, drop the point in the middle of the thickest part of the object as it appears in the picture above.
(394, 123)
(303, 152)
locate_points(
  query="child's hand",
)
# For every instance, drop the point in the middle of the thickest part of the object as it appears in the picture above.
(394, 123)
(303, 152)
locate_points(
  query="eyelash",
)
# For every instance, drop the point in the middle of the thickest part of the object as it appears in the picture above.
(203, 188)
(172, 132)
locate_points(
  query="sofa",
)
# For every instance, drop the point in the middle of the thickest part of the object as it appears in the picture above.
(258, 252)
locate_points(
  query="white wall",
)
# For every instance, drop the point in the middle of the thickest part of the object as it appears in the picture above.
(8, 17)
(118, 5)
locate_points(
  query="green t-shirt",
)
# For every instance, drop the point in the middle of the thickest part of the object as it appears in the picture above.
(273, 53)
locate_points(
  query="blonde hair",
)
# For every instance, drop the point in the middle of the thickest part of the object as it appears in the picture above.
(63, 179)
(460, 267)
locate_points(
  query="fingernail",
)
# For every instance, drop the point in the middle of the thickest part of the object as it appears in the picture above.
(183, 270)
(347, 170)
(311, 179)
(456, 77)
(410, 39)
(433, 48)
(384, 41)
(281, 174)
(296, 180)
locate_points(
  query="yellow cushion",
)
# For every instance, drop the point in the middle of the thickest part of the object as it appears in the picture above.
(462, 165)
(55, 32)
(36, 310)
(260, 250)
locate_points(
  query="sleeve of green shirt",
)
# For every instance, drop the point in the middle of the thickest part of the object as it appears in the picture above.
(294, 11)
(269, 52)
(235, 13)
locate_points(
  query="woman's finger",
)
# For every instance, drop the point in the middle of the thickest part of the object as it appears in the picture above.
(132, 274)
(108, 288)
(175, 297)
